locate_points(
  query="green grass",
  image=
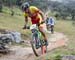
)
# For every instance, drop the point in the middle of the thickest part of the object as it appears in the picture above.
(16, 22)
(13, 23)
(16, 10)
(9, 22)
(67, 28)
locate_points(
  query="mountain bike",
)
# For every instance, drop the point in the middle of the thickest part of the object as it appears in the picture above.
(50, 28)
(37, 42)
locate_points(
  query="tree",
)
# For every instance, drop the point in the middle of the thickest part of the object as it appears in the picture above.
(1, 6)
(19, 2)
(73, 14)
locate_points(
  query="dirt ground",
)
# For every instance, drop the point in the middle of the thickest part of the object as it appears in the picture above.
(26, 53)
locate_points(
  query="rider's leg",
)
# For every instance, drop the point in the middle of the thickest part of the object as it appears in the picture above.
(42, 30)
(52, 30)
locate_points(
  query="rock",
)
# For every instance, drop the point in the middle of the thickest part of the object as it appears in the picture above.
(15, 36)
(8, 37)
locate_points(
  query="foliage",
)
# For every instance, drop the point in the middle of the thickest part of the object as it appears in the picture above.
(58, 57)
(1, 6)
(64, 9)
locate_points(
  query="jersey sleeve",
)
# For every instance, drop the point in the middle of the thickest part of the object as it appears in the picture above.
(34, 9)
(25, 14)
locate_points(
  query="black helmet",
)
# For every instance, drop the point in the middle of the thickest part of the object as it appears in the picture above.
(25, 6)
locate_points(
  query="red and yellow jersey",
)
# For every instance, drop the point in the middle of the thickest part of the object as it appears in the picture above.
(34, 15)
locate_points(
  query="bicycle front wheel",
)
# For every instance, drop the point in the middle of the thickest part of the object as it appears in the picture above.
(33, 48)
(40, 51)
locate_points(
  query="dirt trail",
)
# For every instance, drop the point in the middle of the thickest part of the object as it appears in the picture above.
(26, 53)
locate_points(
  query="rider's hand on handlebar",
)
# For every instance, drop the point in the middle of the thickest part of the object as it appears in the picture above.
(26, 27)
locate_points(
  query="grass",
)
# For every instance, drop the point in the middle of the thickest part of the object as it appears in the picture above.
(16, 22)
(13, 23)
(67, 28)
(16, 10)
(10, 22)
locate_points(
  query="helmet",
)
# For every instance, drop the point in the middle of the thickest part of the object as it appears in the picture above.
(25, 6)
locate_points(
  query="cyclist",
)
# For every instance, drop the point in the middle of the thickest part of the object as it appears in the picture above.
(37, 17)
(51, 23)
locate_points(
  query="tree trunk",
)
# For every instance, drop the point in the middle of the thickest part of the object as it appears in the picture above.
(0, 5)
(72, 17)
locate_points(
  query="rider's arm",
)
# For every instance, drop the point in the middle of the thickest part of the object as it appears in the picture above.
(26, 20)
(42, 14)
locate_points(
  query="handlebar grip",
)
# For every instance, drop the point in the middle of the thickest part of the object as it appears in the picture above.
(26, 27)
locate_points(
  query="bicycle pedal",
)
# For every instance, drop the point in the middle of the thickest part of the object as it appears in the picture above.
(46, 43)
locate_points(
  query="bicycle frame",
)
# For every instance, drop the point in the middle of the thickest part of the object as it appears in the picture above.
(36, 35)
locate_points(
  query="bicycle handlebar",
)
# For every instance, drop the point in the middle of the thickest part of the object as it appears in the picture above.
(26, 27)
